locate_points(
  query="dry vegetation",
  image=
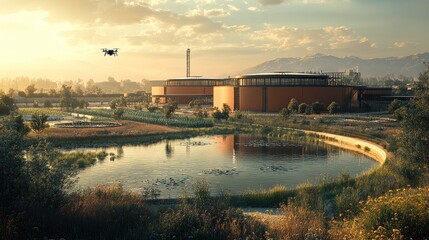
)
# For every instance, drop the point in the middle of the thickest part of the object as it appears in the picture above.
(128, 129)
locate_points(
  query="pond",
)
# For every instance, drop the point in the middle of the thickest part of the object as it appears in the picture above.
(232, 162)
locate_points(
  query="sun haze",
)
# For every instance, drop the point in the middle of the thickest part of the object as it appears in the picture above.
(62, 40)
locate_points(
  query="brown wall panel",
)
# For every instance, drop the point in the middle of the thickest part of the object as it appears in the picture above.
(279, 97)
(189, 90)
(251, 99)
(224, 94)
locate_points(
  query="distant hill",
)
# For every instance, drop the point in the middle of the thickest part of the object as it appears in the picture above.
(409, 66)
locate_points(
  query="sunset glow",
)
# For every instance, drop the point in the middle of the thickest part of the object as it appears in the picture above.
(62, 40)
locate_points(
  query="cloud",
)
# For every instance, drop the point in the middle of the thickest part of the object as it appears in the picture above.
(270, 2)
(253, 9)
(327, 38)
(399, 44)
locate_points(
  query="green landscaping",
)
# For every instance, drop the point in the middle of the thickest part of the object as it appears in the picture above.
(390, 202)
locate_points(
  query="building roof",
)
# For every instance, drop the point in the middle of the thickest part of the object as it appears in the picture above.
(283, 74)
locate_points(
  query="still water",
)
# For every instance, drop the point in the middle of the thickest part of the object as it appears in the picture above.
(232, 162)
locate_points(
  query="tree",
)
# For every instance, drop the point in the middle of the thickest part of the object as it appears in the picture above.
(16, 122)
(317, 107)
(285, 113)
(39, 123)
(414, 140)
(222, 114)
(30, 90)
(304, 108)
(83, 103)
(169, 110)
(118, 102)
(395, 104)
(118, 113)
(7, 104)
(68, 102)
(12, 184)
(293, 105)
(225, 111)
(334, 107)
(47, 104)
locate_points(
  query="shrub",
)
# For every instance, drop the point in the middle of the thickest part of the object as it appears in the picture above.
(395, 104)
(317, 107)
(293, 105)
(297, 223)
(285, 113)
(47, 104)
(334, 107)
(152, 108)
(304, 108)
(400, 214)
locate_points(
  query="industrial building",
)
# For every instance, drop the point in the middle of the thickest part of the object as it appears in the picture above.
(268, 92)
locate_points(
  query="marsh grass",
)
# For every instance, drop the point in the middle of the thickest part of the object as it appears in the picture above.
(296, 223)
(398, 214)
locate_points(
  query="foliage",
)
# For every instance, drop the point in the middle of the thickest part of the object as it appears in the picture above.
(47, 104)
(151, 117)
(68, 102)
(48, 179)
(304, 108)
(105, 212)
(16, 122)
(293, 105)
(222, 114)
(79, 160)
(39, 122)
(169, 110)
(399, 214)
(13, 184)
(334, 107)
(208, 218)
(317, 107)
(118, 113)
(120, 102)
(395, 104)
(298, 223)
(285, 113)
(414, 141)
(152, 108)
(7, 105)
(30, 90)
(83, 103)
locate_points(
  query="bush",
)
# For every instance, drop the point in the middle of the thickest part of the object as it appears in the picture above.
(400, 214)
(304, 108)
(395, 104)
(334, 107)
(285, 113)
(317, 107)
(152, 108)
(297, 223)
(293, 105)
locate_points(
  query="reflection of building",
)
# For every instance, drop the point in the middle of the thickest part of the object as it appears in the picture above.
(268, 92)
(248, 144)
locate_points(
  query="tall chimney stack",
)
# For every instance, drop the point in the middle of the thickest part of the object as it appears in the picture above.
(188, 63)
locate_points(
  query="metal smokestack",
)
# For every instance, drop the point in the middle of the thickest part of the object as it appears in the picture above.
(188, 63)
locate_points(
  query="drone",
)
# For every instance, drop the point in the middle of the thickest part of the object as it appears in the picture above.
(110, 52)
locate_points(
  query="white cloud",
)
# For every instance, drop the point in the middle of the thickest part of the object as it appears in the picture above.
(253, 9)
(327, 38)
(399, 44)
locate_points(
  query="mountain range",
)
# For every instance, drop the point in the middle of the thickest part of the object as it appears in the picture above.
(410, 66)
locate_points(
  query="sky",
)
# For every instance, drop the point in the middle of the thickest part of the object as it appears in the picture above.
(62, 39)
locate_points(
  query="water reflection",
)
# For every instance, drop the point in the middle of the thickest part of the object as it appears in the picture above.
(233, 162)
